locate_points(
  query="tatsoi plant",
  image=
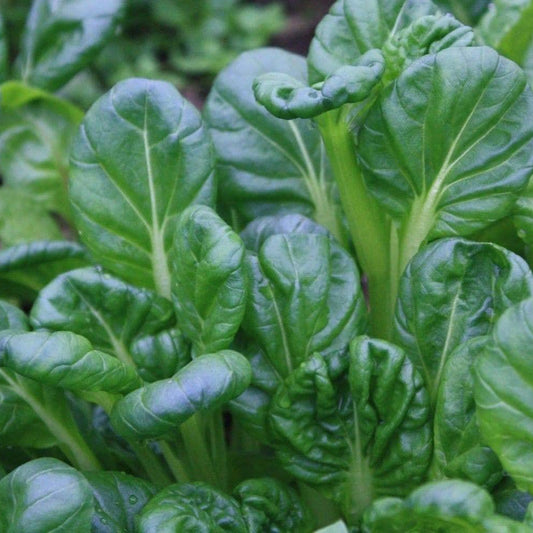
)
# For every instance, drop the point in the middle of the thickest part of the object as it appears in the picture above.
(298, 311)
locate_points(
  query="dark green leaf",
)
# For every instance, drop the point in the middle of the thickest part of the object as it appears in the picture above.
(206, 383)
(45, 495)
(191, 508)
(62, 37)
(141, 157)
(4, 70)
(208, 281)
(454, 290)
(119, 498)
(67, 360)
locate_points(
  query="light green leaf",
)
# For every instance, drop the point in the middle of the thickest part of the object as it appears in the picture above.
(504, 393)
(208, 281)
(26, 268)
(267, 165)
(141, 157)
(454, 290)
(206, 383)
(45, 495)
(447, 163)
(111, 314)
(62, 37)
(12, 318)
(67, 360)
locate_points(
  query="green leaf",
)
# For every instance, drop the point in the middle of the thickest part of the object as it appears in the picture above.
(353, 27)
(454, 290)
(35, 138)
(355, 437)
(450, 506)
(4, 69)
(504, 393)
(269, 505)
(288, 98)
(12, 317)
(459, 450)
(22, 219)
(26, 268)
(337, 527)
(45, 495)
(111, 314)
(67, 360)
(267, 165)
(507, 26)
(510, 501)
(191, 508)
(141, 157)
(208, 280)
(119, 498)
(449, 162)
(63, 37)
(206, 383)
(468, 11)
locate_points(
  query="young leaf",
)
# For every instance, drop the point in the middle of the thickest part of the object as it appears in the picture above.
(27, 268)
(119, 498)
(67, 360)
(504, 393)
(206, 383)
(61, 38)
(359, 437)
(191, 507)
(45, 495)
(141, 157)
(454, 161)
(267, 166)
(459, 450)
(454, 290)
(102, 308)
(208, 280)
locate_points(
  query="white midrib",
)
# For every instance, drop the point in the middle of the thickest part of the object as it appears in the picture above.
(160, 268)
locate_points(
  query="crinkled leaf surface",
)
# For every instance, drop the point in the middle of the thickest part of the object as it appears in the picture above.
(45, 495)
(141, 157)
(61, 37)
(269, 505)
(26, 268)
(449, 162)
(191, 508)
(206, 383)
(454, 290)
(450, 506)
(504, 392)
(359, 437)
(110, 313)
(119, 498)
(67, 360)
(208, 280)
(267, 165)
(459, 450)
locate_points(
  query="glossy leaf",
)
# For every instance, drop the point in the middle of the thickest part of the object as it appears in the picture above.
(353, 27)
(269, 505)
(267, 165)
(288, 98)
(12, 317)
(26, 268)
(454, 290)
(504, 393)
(191, 508)
(208, 280)
(141, 157)
(67, 360)
(206, 383)
(356, 437)
(450, 506)
(510, 501)
(449, 162)
(45, 495)
(111, 314)
(62, 37)
(119, 498)
(459, 451)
